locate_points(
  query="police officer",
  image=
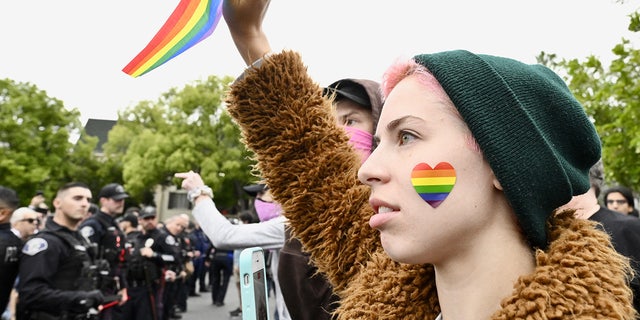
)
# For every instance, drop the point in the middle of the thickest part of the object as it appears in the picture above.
(151, 266)
(178, 228)
(57, 275)
(143, 273)
(172, 228)
(10, 245)
(104, 233)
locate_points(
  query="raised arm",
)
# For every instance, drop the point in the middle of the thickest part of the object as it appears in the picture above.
(307, 162)
(311, 170)
(244, 18)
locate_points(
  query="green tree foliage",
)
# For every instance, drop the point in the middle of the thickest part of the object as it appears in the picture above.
(35, 133)
(183, 130)
(611, 96)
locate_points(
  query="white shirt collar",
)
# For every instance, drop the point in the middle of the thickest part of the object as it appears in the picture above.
(16, 232)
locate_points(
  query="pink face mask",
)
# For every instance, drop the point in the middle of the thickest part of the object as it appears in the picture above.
(267, 210)
(361, 140)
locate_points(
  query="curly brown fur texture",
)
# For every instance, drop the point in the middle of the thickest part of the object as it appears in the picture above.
(312, 172)
(383, 283)
(581, 276)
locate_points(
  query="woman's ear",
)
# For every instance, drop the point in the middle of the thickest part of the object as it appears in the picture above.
(496, 183)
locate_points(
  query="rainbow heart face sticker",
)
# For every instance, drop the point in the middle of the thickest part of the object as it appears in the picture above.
(433, 184)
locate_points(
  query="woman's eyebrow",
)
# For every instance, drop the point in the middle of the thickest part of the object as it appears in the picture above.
(393, 125)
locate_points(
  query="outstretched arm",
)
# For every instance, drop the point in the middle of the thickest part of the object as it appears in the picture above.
(222, 233)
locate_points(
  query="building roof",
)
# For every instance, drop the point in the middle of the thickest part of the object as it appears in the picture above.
(99, 128)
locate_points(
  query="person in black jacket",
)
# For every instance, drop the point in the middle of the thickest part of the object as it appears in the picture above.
(623, 229)
(10, 245)
(57, 275)
(160, 254)
(144, 268)
(102, 230)
(173, 227)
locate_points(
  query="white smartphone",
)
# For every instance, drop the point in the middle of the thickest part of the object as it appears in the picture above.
(253, 285)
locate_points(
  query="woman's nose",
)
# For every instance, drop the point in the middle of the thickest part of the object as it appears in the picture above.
(372, 171)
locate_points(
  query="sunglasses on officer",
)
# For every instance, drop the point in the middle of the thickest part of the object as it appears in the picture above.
(32, 221)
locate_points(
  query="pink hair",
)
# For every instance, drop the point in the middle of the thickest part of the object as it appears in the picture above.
(402, 69)
(405, 68)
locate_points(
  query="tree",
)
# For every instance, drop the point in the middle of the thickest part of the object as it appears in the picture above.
(183, 130)
(611, 97)
(35, 133)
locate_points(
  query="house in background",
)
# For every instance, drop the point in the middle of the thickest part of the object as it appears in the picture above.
(169, 200)
(99, 128)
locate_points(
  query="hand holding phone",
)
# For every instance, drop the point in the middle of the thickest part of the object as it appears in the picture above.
(253, 285)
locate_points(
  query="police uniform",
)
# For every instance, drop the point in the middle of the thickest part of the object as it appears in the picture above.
(103, 232)
(169, 245)
(10, 246)
(143, 276)
(182, 289)
(57, 276)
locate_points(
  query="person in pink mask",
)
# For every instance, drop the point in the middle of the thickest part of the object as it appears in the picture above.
(299, 288)
(268, 234)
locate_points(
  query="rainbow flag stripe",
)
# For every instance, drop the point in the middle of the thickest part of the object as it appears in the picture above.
(191, 22)
(433, 184)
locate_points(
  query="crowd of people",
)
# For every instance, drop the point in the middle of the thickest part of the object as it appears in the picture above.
(407, 211)
(75, 263)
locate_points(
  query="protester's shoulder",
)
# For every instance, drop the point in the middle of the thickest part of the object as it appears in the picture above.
(607, 215)
(616, 222)
(278, 220)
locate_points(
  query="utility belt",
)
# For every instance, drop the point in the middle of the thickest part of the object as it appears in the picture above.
(41, 315)
(139, 283)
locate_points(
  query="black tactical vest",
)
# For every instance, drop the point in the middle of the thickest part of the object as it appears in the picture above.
(77, 271)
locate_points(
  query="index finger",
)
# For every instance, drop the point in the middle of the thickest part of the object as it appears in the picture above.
(181, 174)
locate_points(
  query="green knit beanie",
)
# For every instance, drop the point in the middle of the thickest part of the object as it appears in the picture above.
(532, 131)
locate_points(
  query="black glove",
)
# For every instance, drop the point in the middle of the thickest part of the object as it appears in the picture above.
(93, 299)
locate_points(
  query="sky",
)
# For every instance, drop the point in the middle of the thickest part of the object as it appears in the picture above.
(75, 49)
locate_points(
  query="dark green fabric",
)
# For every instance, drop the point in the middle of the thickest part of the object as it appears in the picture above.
(532, 131)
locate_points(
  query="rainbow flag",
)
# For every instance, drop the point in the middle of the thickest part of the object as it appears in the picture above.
(433, 185)
(191, 22)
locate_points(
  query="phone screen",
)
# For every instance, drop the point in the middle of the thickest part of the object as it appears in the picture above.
(259, 284)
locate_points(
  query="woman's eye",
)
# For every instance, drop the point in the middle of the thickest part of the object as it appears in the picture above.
(350, 122)
(405, 137)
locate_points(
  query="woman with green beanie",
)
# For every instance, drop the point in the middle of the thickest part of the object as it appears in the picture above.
(453, 214)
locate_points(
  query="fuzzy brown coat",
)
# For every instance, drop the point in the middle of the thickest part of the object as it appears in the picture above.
(312, 171)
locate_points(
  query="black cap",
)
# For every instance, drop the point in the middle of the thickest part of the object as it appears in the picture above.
(132, 219)
(350, 89)
(148, 211)
(254, 189)
(113, 191)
